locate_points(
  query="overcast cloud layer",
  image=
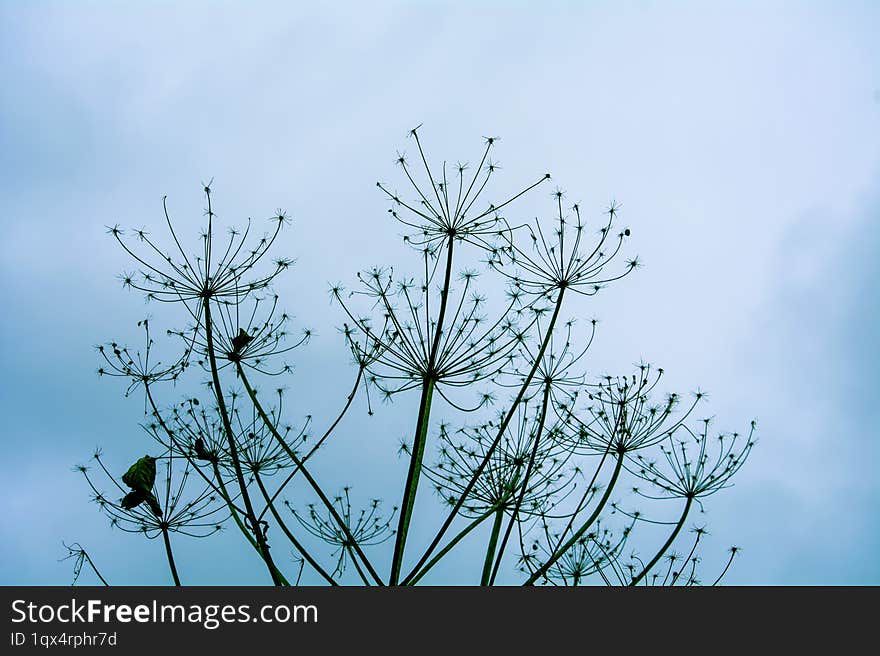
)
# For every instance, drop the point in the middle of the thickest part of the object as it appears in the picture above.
(741, 139)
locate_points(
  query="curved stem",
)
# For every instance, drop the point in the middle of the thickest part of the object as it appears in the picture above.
(233, 450)
(583, 529)
(665, 547)
(232, 510)
(415, 577)
(585, 497)
(720, 576)
(324, 437)
(104, 581)
(174, 442)
(170, 556)
(525, 483)
(689, 557)
(503, 427)
(299, 463)
(296, 543)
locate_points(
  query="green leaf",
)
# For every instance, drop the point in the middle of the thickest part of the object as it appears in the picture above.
(136, 497)
(132, 499)
(141, 475)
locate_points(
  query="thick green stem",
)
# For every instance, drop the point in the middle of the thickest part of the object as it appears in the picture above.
(499, 436)
(490, 550)
(309, 478)
(233, 450)
(415, 462)
(412, 478)
(170, 556)
(665, 547)
(583, 529)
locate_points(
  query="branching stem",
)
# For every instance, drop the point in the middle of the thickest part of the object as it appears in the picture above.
(311, 481)
(667, 544)
(233, 450)
(415, 463)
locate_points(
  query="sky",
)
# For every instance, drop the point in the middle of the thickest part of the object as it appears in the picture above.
(741, 140)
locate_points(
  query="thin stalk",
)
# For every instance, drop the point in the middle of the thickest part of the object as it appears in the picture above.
(239, 523)
(299, 463)
(195, 466)
(358, 568)
(665, 547)
(720, 576)
(225, 494)
(421, 434)
(170, 556)
(585, 497)
(219, 487)
(233, 450)
(296, 543)
(525, 483)
(587, 493)
(583, 529)
(507, 419)
(104, 581)
(493, 543)
(318, 444)
(414, 577)
(689, 556)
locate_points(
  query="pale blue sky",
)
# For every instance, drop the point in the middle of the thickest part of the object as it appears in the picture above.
(741, 139)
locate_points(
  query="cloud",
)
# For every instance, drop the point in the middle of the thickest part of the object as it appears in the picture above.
(741, 141)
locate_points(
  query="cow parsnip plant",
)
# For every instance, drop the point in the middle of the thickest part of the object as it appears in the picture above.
(512, 430)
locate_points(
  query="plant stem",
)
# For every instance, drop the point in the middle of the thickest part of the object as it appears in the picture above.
(104, 581)
(233, 511)
(525, 483)
(490, 550)
(665, 547)
(233, 450)
(174, 442)
(358, 568)
(299, 463)
(415, 462)
(283, 526)
(585, 497)
(219, 487)
(720, 576)
(412, 478)
(170, 556)
(318, 444)
(414, 577)
(503, 427)
(574, 538)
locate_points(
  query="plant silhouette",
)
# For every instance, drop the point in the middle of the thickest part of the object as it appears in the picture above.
(512, 432)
